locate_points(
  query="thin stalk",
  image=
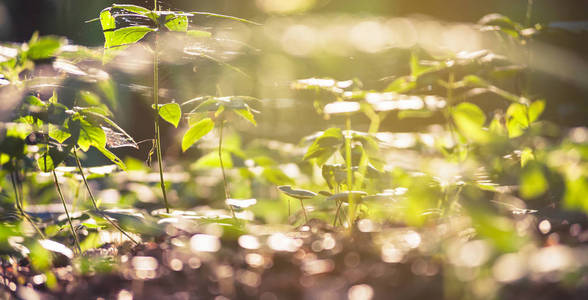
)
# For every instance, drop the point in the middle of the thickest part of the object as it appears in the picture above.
(304, 211)
(220, 159)
(447, 112)
(337, 213)
(529, 13)
(156, 122)
(349, 172)
(73, 232)
(79, 164)
(19, 205)
(526, 75)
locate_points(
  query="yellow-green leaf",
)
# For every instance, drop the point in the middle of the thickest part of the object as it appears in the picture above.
(196, 132)
(171, 112)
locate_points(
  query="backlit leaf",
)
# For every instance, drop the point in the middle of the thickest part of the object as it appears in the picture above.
(171, 112)
(533, 182)
(247, 115)
(196, 132)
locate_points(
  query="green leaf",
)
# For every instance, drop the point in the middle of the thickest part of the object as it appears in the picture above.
(296, 193)
(199, 34)
(118, 138)
(45, 163)
(469, 119)
(112, 157)
(401, 85)
(86, 134)
(536, 109)
(247, 115)
(516, 119)
(43, 48)
(56, 133)
(127, 36)
(176, 23)
(196, 132)
(171, 112)
(108, 26)
(56, 155)
(533, 182)
(416, 69)
(325, 145)
(526, 156)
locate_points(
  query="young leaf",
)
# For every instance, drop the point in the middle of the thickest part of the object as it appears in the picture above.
(108, 26)
(45, 47)
(469, 119)
(326, 144)
(516, 119)
(114, 138)
(533, 182)
(247, 115)
(171, 112)
(45, 163)
(56, 155)
(536, 109)
(87, 134)
(115, 159)
(196, 132)
(56, 133)
(176, 23)
(127, 36)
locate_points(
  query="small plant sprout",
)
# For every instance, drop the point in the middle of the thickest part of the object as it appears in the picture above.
(147, 21)
(214, 111)
(298, 194)
(345, 197)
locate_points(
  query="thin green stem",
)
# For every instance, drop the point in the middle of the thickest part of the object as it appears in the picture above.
(303, 211)
(73, 232)
(337, 213)
(526, 82)
(349, 171)
(447, 111)
(156, 122)
(79, 164)
(220, 159)
(19, 204)
(529, 13)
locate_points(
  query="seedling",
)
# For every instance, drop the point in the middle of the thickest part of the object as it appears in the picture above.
(211, 112)
(298, 194)
(125, 25)
(339, 198)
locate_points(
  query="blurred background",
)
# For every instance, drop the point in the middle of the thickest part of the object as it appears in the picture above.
(368, 40)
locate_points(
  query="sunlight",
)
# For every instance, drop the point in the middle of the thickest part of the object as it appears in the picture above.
(204, 243)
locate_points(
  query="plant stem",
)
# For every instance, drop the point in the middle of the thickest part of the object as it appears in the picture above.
(447, 112)
(303, 211)
(220, 159)
(337, 213)
(19, 204)
(349, 172)
(73, 232)
(156, 122)
(79, 164)
(528, 13)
